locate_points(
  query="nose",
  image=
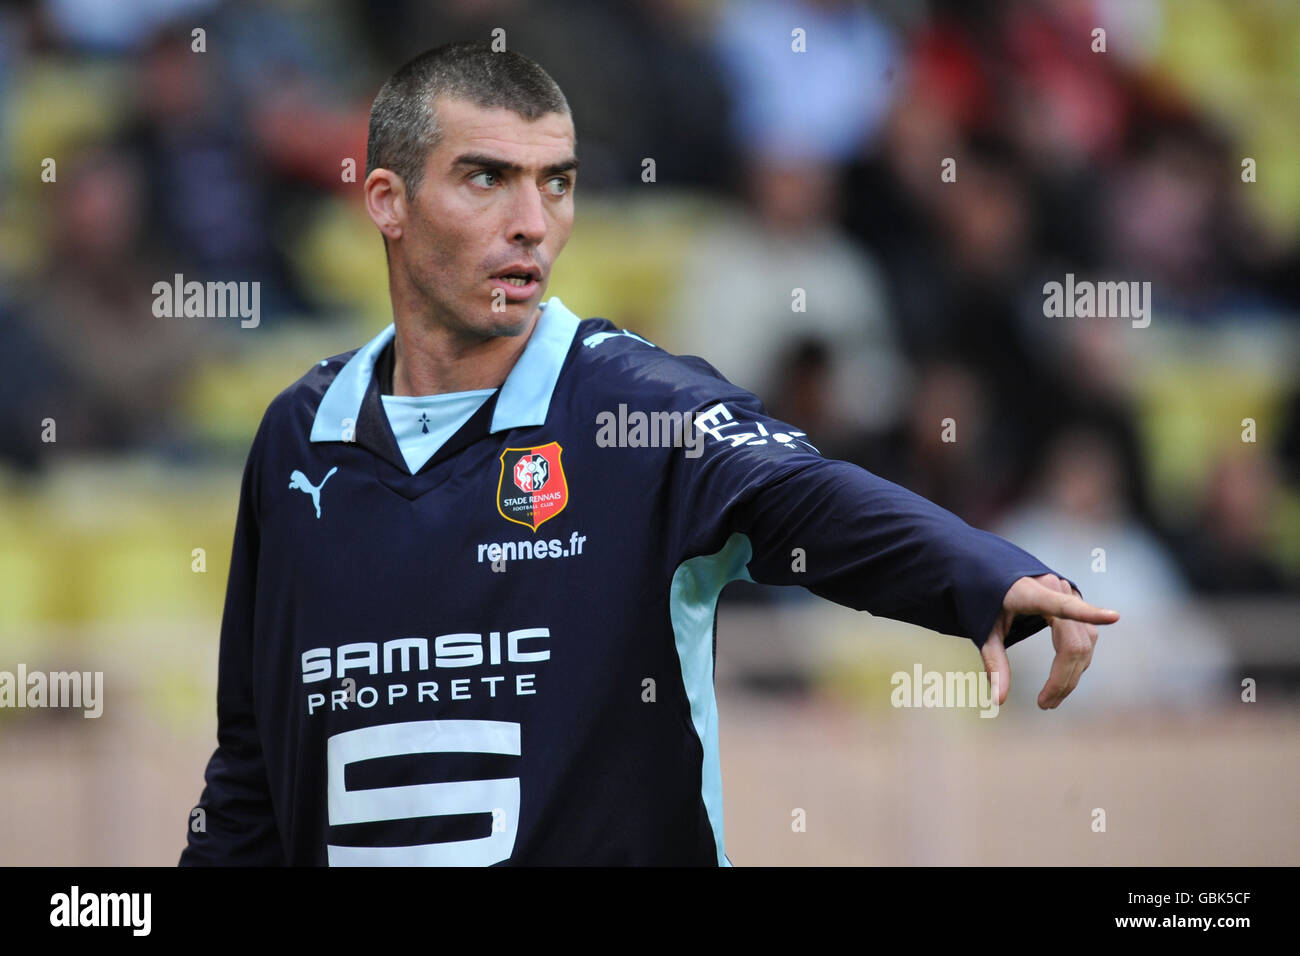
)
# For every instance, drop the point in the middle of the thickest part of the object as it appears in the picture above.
(527, 222)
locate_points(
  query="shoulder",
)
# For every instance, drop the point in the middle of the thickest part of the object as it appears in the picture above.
(608, 361)
(294, 408)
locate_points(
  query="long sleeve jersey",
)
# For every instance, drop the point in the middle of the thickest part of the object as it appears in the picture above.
(507, 656)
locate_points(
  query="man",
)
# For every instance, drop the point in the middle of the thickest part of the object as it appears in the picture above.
(460, 627)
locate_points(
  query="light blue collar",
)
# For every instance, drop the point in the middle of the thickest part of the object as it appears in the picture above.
(525, 396)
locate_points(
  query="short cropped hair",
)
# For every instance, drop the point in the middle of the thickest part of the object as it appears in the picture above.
(403, 124)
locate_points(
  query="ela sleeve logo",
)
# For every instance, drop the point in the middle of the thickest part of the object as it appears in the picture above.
(719, 424)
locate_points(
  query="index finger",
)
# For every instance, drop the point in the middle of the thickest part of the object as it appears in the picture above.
(1074, 608)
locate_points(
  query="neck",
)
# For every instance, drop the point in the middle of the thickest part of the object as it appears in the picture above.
(429, 359)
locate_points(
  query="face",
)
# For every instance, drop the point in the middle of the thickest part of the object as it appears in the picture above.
(496, 198)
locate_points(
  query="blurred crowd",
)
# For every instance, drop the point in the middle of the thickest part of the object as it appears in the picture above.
(923, 298)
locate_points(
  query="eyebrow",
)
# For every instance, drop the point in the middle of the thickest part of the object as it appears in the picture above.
(504, 166)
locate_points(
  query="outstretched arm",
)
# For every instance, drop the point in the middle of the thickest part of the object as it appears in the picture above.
(865, 542)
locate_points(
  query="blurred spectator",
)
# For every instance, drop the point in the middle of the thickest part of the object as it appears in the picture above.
(206, 200)
(111, 26)
(119, 368)
(295, 77)
(950, 447)
(638, 77)
(956, 254)
(1228, 546)
(760, 279)
(1173, 214)
(820, 104)
(803, 392)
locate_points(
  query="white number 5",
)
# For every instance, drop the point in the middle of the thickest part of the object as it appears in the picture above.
(497, 797)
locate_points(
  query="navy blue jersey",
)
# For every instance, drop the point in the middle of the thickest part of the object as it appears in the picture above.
(507, 656)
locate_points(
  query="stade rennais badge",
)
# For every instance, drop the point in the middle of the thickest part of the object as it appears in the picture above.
(532, 487)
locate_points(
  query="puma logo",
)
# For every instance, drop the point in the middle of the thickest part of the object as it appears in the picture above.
(299, 480)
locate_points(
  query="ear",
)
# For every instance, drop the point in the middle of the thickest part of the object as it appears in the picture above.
(385, 194)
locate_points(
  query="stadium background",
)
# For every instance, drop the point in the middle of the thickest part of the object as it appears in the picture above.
(773, 171)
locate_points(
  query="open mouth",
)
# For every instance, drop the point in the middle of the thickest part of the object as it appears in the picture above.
(518, 282)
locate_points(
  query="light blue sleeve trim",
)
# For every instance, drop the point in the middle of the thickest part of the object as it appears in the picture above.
(693, 602)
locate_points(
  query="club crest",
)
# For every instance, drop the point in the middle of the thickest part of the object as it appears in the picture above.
(532, 487)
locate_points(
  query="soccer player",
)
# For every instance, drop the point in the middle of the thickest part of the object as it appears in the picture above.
(471, 607)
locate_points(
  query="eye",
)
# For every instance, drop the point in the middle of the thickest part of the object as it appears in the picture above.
(565, 185)
(484, 172)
